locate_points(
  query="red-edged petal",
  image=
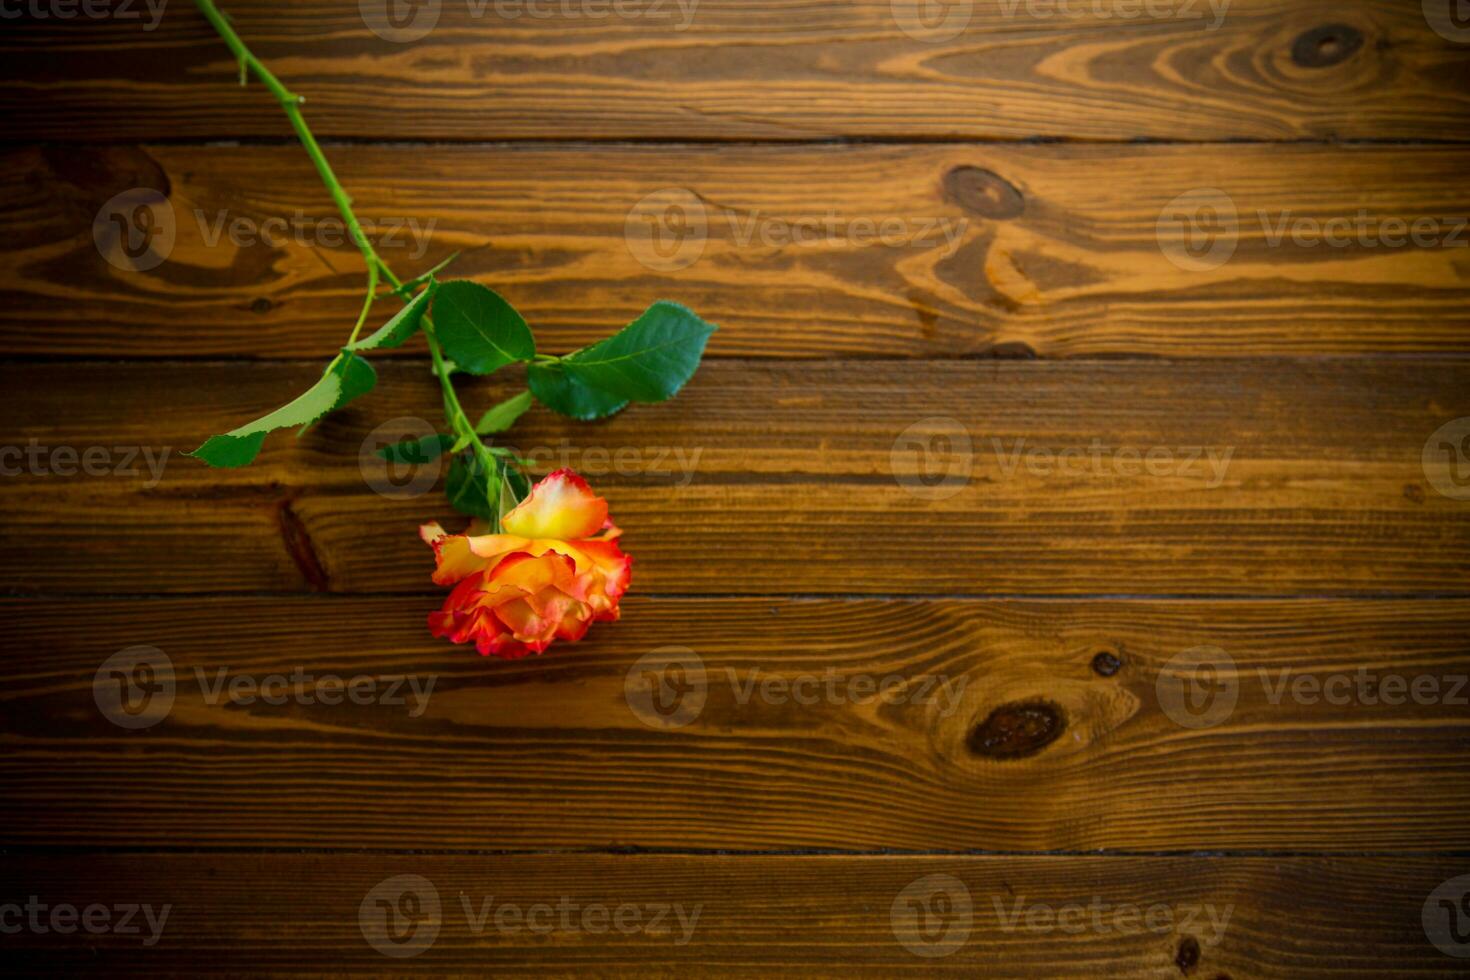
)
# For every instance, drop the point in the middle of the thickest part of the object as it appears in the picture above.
(615, 568)
(457, 556)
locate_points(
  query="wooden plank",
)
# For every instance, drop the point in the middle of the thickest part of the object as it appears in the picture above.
(555, 915)
(1269, 478)
(768, 731)
(907, 251)
(755, 69)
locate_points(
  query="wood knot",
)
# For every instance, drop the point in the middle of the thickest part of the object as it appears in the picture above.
(1323, 47)
(984, 192)
(1014, 731)
(89, 178)
(1188, 956)
(1106, 663)
(260, 305)
(297, 540)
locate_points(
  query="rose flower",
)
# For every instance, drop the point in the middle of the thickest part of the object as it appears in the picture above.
(554, 571)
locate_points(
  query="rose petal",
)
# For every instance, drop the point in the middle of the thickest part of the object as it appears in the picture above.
(561, 506)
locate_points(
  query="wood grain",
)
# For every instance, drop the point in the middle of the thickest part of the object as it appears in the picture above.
(910, 251)
(875, 645)
(1279, 477)
(754, 69)
(749, 916)
(791, 747)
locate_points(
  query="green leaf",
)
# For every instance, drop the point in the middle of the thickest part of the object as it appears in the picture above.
(418, 451)
(561, 392)
(345, 379)
(478, 329)
(404, 324)
(504, 415)
(648, 360)
(468, 488)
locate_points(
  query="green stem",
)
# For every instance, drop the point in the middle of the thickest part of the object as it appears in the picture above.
(291, 104)
(367, 303)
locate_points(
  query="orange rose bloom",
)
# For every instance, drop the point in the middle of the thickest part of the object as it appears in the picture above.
(555, 571)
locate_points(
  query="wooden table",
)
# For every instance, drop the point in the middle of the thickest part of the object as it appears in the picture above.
(1056, 569)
